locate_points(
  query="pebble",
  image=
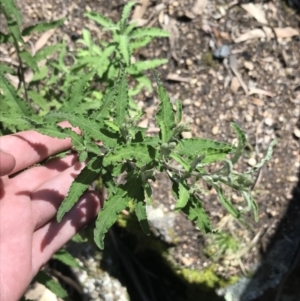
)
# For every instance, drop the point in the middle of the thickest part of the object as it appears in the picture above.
(249, 65)
(268, 121)
(252, 161)
(297, 132)
(215, 130)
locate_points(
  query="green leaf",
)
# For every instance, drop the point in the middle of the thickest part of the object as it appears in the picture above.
(165, 115)
(266, 158)
(125, 15)
(178, 115)
(251, 204)
(182, 195)
(5, 38)
(22, 123)
(14, 101)
(38, 99)
(28, 59)
(109, 214)
(148, 32)
(142, 153)
(65, 257)
(124, 49)
(196, 213)
(100, 19)
(181, 161)
(39, 74)
(212, 150)
(80, 184)
(52, 285)
(77, 92)
(46, 51)
(226, 203)
(242, 140)
(121, 99)
(140, 211)
(104, 111)
(140, 66)
(136, 44)
(13, 18)
(42, 27)
(91, 128)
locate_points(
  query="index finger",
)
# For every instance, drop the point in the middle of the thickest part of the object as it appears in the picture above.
(30, 147)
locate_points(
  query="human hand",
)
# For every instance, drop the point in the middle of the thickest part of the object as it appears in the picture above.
(29, 232)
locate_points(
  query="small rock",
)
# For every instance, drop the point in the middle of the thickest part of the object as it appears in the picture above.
(297, 132)
(249, 65)
(235, 84)
(268, 121)
(215, 130)
(252, 161)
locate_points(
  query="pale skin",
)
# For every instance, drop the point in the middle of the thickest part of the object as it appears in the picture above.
(29, 232)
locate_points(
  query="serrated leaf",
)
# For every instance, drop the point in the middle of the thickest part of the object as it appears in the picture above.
(212, 150)
(178, 115)
(140, 211)
(40, 73)
(22, 123)
(165, 114)
(28, 59)
(136, 44)
(251, 204)
(125, 15)
(140, 66)
(196, 213)
(266, 158)
(80, 184)
(183, 196)
(14, 101)
(142, 153)
(109, 214)
(13, 19)
(124, 49)
(103, 111)
(52, 285)
(242, 140)
(121, 99)
(226, 203)
(77, 92)
(90, 128)
(42, 27)
(65, 257)
(148, 32)
(39, 100)
(181, 161)
(100, 19)
(46, 51)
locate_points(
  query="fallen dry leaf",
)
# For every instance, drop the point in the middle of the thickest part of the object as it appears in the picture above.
(286, 32)
(256, 11)
(250, 35)
(41, 42)
(175, 77)
(260, 91)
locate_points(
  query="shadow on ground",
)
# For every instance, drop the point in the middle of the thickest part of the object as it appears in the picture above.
(278, 277)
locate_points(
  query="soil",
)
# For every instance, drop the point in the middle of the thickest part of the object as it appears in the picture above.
(212, 97)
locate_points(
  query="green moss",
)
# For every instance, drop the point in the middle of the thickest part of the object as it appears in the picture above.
(208, 277)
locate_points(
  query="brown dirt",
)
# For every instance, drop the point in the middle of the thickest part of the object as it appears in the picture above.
(210, 102)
